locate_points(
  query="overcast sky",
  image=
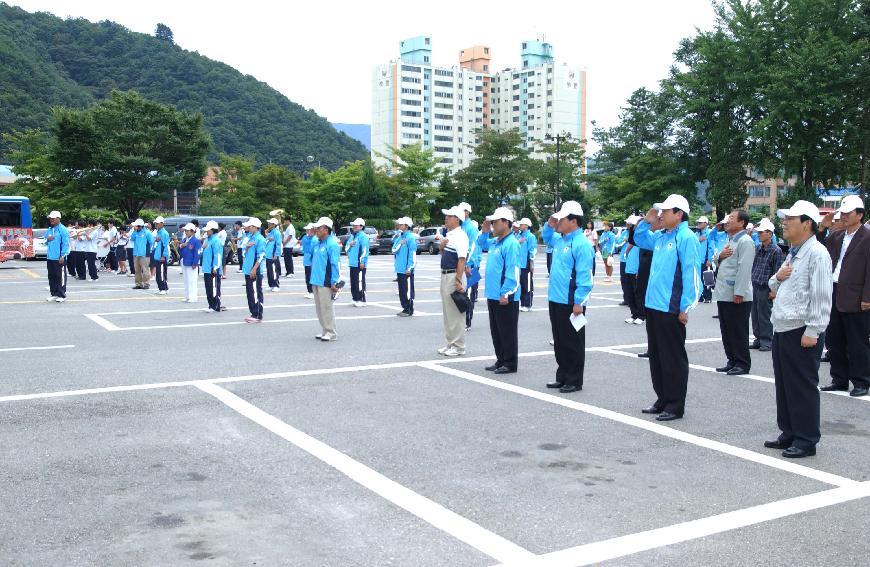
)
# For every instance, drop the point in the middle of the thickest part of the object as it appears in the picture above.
(320, 54)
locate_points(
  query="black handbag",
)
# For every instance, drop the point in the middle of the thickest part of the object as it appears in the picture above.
(461, 300)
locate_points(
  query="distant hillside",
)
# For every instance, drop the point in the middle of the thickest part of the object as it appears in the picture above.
(46, 61)
(360, 132)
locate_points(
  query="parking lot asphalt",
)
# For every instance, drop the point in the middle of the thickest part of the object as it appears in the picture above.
(139, 430)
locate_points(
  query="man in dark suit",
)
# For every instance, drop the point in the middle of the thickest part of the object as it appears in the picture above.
(849, 328)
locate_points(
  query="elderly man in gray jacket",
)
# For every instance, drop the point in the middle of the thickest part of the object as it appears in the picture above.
(733, 293)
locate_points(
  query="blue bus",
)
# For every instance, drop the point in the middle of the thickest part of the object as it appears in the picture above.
(16, 228)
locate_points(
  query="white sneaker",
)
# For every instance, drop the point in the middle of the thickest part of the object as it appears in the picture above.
(525, 309)
(52, 298)
(327, 339)
(130, 275)
(308, 296)
(207, 309)
(318, 336)
(639, 321)
(47, 288)
(629, 320)
(60, 299)
(453, 352)
(552, 342)
(271, 289)
(162, 292)
(443, 349)
(291, 276)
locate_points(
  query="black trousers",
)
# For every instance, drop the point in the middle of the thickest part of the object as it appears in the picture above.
(734, 326)
(641, 283)
(796, 376)
(630, 292)
(213, 290)
(71, 260)
(56, 278)
(549, 261)
(406, 292)
(240, 256)
(623, 283)
(288, 260)
(254, 289)
(707, 291)
(358, 283)
(527, 288)
(848, 347)
(112, 258)
(503, 326)
(273, 273)
(131, 264)
(569, 345)
(81, 265)
(472, 295)
(668, 361)
(161, 271)
(92, 265)
(308, 278)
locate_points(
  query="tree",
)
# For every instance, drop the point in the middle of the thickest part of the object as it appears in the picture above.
(372, 201)
(120, 153)
(163, 32)
(500, 172)
(414, 188)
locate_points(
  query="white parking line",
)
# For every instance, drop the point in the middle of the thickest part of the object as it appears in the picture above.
(593, 553)
(438, 516)
(653, 427)
(15, 349)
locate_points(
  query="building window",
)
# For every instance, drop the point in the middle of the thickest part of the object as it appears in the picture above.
(410, 124)
(410, 113)
(425, 59)
(410, 69)
(407, 79)
(447, 84)
(759, 191)
(411, 91)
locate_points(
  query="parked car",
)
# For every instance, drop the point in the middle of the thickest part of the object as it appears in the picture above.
(344, 232)
(39, 247)
(428, 240)
(385, 242)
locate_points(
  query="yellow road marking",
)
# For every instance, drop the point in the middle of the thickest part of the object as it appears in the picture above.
(31, 273)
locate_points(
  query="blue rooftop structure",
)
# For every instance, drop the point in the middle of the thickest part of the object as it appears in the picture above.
(417, 50)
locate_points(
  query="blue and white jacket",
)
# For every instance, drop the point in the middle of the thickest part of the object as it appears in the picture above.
(405, 252)
(357, 254)
(324, 263)
(503, 263)
(571, 267)
(59, 247)
(675, 276)
(212, 257)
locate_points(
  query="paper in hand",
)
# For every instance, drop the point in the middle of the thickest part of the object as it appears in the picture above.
(578, 321)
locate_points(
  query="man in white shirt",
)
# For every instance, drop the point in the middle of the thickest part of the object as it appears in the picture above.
(453, 256)
(289, 242)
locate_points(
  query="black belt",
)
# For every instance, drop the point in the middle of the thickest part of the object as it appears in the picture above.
(448, 272)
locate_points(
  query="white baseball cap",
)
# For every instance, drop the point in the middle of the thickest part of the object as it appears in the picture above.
(801, 208)
(765, 224)
(632, 219)
(464, 206)
(138, 222)
(526, 221)
(276, 212)
(750, 226)
(501, 213)
(273, 221)
(210, 225)
(569, 208)
(358, 222)
(850, 203)
(308, 226)
(405, 221)
(703, 219)
(159, 220)
(54, 215)
(324, 221)
(673, 201)
(456, 211)
(253, 221)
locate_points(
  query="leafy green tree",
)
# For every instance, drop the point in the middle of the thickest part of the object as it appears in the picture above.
(501, 170)
(372, 202)
(414, 187)
(164, 32)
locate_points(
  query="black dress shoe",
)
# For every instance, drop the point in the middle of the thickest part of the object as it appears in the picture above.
(777, 444)
(504, 370)
(725, 368)
(857, 392)
(764, 349)
(667, 416)
(643, 355)
(652, 409)
(492, 367)
(555, 385)
(755, 346)
(834, 388)
(735, 371)
(622, 303)
(798, 453)
(825, 358)
(568, 388)
(715, 316)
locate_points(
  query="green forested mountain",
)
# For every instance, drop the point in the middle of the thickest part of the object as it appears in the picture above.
(46, 61)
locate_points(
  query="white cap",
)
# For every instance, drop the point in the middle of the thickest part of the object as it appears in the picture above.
(210, 225)
(526, 221)
(801, 208)
(750, 226)
(273, 221)
(633, 219)
(850, 203)
(456, 211)
(358, 222)
(516, 224)
(501, 213)
(673, 201)
(703, 219)
(837, 215)
(308, 226)
(464, 206)
(405, 221)
(54, 215)
(138, 222)
(276, 212)
(159, 220)
(190, 226)
(569, 208)
(765, 224)
(253, 221)
(324, 221)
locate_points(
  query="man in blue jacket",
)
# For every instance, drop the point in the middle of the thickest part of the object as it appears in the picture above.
(357, 249)
(274, 244)
(253, 268)
(568, 292)
(326, 253)
(212, 267)
(160, 256)
(528, 249)
(404, 261)
(705, 243)
(503, 266)
(142, 243)
(629, 262)
(57, 250)
(188, 251)
(673, 290)
(307, 245)
(472, 261)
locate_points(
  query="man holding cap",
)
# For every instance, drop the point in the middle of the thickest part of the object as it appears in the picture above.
(188, 250)
(849, 327)
(768, 259)
(57, 250)
(307, 245)
(629, 265)
(454, 252)
(673, 290)
(801, 309)
(212, 267)
(160, 256)
(404, 261)
(528, 249)
(143, 240)
(357, 249)
(706, 250)
(503, 263)
(273, 254)
(473, 259)
(326, 253)
(568, 292)
(253, 268)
